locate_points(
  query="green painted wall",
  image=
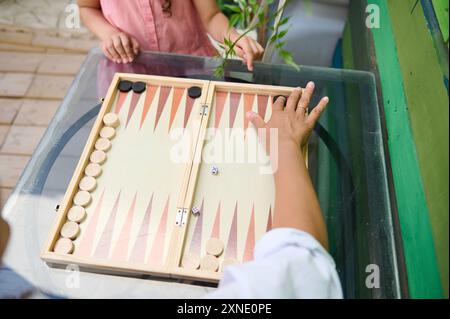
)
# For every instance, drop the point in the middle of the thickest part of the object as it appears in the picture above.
(441, 10)
(414, 105)
(417, 239)
(427, 101)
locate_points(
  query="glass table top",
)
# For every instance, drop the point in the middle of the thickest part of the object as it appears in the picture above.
(346, 162)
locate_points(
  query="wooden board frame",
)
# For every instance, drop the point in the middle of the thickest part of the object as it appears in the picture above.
(171, 267)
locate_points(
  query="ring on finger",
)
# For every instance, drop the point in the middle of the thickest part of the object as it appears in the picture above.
(302, 107)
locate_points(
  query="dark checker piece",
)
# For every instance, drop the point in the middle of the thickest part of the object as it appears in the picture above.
(139, 87)
(194, 92)
(125, 86)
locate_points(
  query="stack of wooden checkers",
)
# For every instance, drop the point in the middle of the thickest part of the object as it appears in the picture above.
(211, 261)
(77, 213)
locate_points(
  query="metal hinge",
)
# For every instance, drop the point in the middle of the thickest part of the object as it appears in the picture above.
(204, 110)
(181, 217)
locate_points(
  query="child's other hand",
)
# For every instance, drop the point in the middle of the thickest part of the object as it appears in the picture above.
(293, 122)
(248, 49)
(120, 47)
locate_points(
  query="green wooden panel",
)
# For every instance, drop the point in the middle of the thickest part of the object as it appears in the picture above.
(441, 10)
(427, 101)
(423, 271)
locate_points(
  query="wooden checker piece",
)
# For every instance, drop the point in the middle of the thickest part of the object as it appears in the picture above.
(76, 214)
(63, 246)
(108, 132)
(103, 144)
(82, 198)
(98, 157)
(209, 263)
(70, 230)
(87, 183)
(190, 261)
(111, 120)
(93, 170)
(214, 246)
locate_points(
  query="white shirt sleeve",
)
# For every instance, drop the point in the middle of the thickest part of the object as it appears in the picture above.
(288, 263)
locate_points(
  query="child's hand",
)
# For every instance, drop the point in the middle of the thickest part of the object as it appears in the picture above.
(120, 47)
(248, 49)
(293, 122)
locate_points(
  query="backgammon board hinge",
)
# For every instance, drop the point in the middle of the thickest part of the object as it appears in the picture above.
(181, 217)
(204, 109)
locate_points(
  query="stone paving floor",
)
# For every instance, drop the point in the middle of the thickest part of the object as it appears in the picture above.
(39, 57)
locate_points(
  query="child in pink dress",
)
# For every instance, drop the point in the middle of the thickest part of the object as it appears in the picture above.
(177, 26)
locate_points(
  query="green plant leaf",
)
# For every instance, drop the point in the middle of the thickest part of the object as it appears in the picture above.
(261, 16)
(243, 19)
(242, 4)
(228, 42)
(288, 59)
(293, 64)
(282, 33)
(283, 21)
(232, 7)
(274, 37)
(234, 19)
(280, 45)
(219, 72)
(284, 54)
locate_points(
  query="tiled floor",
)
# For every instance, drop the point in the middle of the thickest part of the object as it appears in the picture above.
(37, 66)
(15, 84)
(11, 167)
(36, 112)
(22, 140)
(3, 133)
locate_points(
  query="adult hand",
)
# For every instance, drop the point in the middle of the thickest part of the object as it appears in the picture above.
(291, 117)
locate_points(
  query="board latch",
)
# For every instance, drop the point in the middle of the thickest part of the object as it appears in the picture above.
(181, 217)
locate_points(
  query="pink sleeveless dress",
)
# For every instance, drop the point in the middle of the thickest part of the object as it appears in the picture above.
(182, 32)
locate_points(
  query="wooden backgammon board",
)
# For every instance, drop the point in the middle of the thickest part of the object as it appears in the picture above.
(146, 199)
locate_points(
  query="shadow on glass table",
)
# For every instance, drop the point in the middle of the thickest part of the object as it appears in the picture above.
(346, 162)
